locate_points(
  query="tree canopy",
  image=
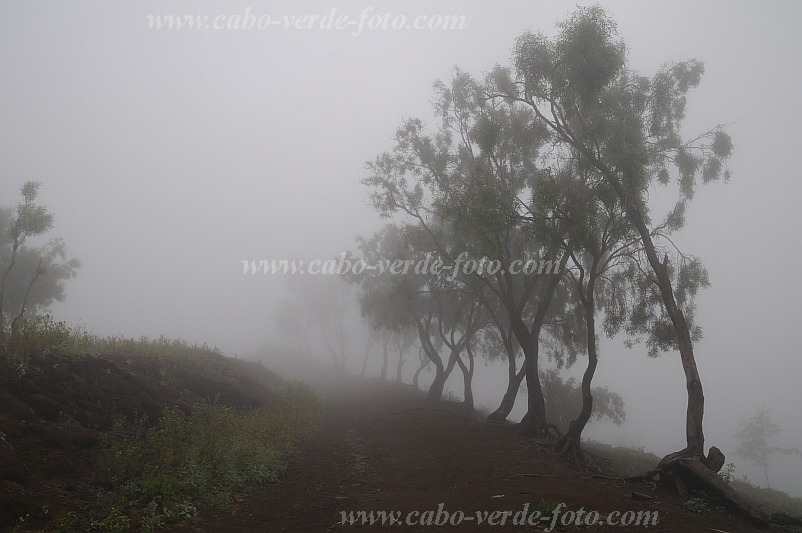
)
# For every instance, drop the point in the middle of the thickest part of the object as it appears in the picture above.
(33, 277)
(551, 157)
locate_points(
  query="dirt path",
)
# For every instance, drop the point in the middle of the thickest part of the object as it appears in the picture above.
(385, 448)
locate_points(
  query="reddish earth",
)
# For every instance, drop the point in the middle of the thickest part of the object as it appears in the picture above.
(378, 447)
(384, 447)
(54, 411)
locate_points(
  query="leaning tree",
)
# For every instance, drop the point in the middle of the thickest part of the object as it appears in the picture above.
(626, 127)
(474, 178)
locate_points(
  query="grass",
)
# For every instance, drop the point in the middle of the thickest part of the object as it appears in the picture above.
(783, 501)
(624, 461)
(153, 472)
(164, 472)
(43, 336)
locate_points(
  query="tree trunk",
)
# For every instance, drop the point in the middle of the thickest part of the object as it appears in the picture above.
(436, 388)
(633, 202)
(385, 354)
(696, 475)
(467, 377)
(696, 399)
(440, 375)
(402, 356)
(423, 362)
(571, 441)
(365, 363)
(533, 423)
(468, 388)
(508, 401)
(439, 383)
(399, 366)
(39, 272)
(14, 249)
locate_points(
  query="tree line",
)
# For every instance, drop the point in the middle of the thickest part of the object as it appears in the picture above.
(554, 156)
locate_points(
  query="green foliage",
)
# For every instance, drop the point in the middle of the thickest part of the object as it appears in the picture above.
(701, 506)
(159, 472)
(32, 219)
(547, 506)
(164, 471)
(564, 401)
(31, 278)
(115, 522)
(67, 523)
(635, 304)
(586, 53)
(37, 336)
(43, 336)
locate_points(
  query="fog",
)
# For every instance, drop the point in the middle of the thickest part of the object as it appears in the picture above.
(170, 156)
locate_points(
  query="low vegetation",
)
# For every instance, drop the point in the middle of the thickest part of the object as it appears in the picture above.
(193, 430)
(165, 471)
(622, 460)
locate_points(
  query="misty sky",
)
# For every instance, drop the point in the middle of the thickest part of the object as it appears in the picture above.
(169, 156)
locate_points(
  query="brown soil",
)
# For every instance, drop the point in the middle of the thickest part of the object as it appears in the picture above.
(54, 411)
(378, 447)
(383, 447)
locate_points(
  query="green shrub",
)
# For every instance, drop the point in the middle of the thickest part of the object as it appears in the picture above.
(167, 469)
(43, 336)
(37, 336)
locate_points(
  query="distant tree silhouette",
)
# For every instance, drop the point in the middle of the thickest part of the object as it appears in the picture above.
(753, 441)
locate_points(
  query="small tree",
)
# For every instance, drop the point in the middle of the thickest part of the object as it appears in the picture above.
(31, 277)
(753, 441)
(31, 219)
(320, 302)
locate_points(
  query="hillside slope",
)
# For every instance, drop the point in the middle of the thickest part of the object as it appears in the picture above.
(54, 411)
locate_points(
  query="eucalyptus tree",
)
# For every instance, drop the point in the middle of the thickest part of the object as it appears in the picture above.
(370, 341)
(403, 339)
(39, 278)
(604, 241)
(564, 399)
(461, 316)
(382, 297)
(396, 301)
(626, 127)
(753, 441)
(322, 302)
(497, 340)
(475, 177)
(423, 363)
(32, 277)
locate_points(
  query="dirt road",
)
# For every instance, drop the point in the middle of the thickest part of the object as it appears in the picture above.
(382, 447)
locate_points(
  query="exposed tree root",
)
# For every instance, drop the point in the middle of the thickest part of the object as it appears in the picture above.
(685, 471)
